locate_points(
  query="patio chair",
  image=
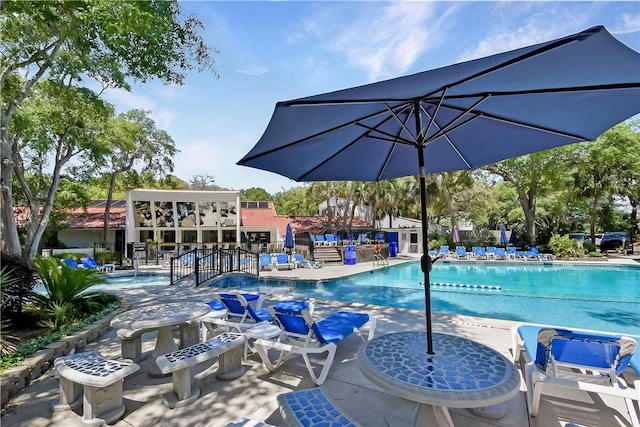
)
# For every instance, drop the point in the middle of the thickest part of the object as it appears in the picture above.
(220, 315)
(379, 238)
(511, 252)
(461, 252)
(479, 252)
(265, 262)
(301, 262)
(282, 260)
(577, 359)
(90, 264)
(491, 252)
(444, 251)
(533, 252)
(70, 263)
(302, 335)
(500, 253)
(330, 240)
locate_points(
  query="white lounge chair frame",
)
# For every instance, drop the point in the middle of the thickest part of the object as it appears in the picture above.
(290, 344)
(580, 377)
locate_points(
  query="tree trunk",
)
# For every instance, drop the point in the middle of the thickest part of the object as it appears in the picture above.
(10, 242)
(107, 208)
(529, 208)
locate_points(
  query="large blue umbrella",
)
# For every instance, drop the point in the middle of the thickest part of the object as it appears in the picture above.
(513, 239)
(288, 238)
(503, 235)
(458, 117)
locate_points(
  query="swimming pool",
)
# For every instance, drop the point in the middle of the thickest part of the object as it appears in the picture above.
(600, 297)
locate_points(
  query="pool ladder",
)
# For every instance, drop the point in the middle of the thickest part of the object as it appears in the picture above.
(379, 261)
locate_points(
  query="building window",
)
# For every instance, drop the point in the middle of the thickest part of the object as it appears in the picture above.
(228, 235)
(189, 236)
(209, 236)
(164, 214)
(208, 212)
(143, 214)
(186, 214)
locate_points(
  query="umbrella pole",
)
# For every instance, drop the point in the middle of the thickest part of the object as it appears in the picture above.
(426, 261)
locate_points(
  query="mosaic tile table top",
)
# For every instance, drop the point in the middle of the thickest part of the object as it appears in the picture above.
(461, 374)
(157, 316)
(92, 369)
(312, 407)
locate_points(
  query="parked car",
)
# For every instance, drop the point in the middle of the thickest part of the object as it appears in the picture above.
(612, 240)
(580, 237)
(597, 238)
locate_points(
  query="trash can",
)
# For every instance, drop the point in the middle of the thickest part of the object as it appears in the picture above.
(349, 254)
(393, 249)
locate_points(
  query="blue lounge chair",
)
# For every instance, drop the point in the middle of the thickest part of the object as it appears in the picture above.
(298, 259)
(282, 260)
(330, 240)
(219, 311)
(379, 237)
(533, 252)
(511, 252)
(491, 251)
(500, 253)
(479, 252)
(320, 240)
(265, 262)
(70, 263)
(302, 335)
(444, 251)
(90, 264)
(461, 252)
(579, 359)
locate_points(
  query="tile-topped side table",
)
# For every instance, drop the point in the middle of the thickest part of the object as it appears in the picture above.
(461, 374)
(161, 317)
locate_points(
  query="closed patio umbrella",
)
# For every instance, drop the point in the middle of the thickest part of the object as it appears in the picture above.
(513, 239)
(503, 236)
(458, 117)
(288, 238)
(456, 235)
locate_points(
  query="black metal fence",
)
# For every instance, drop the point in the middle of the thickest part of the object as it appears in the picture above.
(205, 264)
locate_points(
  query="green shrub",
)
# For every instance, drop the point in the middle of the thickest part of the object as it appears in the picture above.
(16, 285)
(106, 257)
(589, 247)
(29, 347)
(66, 297)
(563, 246)
(594, 254)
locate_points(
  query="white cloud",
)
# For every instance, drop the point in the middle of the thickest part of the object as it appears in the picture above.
(388, 43)
(253, 70)
(163, 118)
(628, 24)
(547, 24)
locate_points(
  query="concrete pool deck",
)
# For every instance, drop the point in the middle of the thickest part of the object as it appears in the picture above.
(253, 395)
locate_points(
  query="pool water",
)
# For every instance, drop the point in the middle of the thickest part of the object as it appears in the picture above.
(601, 297)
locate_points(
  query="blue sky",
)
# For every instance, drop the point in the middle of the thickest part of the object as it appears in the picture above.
(275, 51)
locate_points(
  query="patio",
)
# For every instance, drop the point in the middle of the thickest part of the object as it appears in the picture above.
(253, 395)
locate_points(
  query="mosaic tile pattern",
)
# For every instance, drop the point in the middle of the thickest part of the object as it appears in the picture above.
(312, 408)
(462, 373)
(92, 363)
(220, 344)
(159, 315)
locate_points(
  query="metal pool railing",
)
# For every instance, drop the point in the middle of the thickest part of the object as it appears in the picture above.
(205, 264)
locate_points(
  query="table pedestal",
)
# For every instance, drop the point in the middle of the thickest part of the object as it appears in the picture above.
(164, 344)
(424, 415)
